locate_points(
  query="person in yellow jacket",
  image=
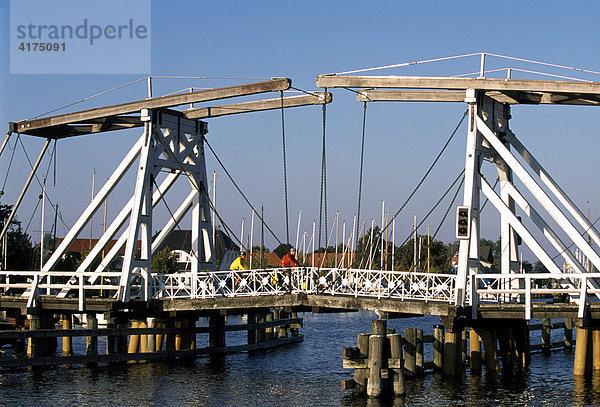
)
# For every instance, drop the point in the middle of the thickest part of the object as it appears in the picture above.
(239, 263)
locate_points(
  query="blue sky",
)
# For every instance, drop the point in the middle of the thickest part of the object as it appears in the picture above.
(301, 40)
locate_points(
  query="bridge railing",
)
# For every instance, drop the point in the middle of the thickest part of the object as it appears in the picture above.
(525, 288)
(309, 280)
(31, 284)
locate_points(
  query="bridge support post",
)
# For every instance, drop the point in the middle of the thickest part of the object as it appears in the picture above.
(410, 351)
(111, 340)
(596, 347)
(252, 318)
(488, 338)
(160, 338)
(261, 332)
(374, 383)
(91, 342)
(419, 357)
(151, 341)
(568, 334)
(546, 343)
(217, 331)
(143, 338)
(438, 347)
(67, 341)
(35, 344)
(361, 375)
(475, 351)
(134, 339)
(269, 331)
(398, 373)
(582, 348)
(170, 338)
(451, 353)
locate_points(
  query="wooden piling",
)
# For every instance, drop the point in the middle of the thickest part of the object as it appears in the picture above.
(546, 343)
(491, 354)
(122, 346)
(282, 328)
(192, 326)
(91, 342)
(463, 348)
(474, 351)
(581, 351)
(160, 338)
(67, 341)
(134, 340)
(410, 351)
(398, 374)
(34, 344)
(151, 339)
(111, 340)
(379, 327)
(438, 347)
(293, 329)
(361, 375)
(261, 332)
(269, 331)
(170, 338)
(143, 338)
(596, 347)
(374, 383)
(179, 335)
(217, 331)
(419, 358)
(252, 318)
(568, 334)
(451, 347)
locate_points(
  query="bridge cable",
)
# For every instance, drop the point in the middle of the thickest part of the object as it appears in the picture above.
(323, 199)
(448, 210)
(437, 203)
(12, 155)
(573, 243)
(427, 172)
(285, 187)
(238, 188)
(360, 177)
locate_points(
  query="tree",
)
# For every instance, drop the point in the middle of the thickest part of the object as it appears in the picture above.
(438, 256)
(19, 248)
(282, 249)
(539, 267)
(165, 262)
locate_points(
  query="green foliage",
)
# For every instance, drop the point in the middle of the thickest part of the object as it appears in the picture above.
(282, 249)
(164, 262)
(19, 246)
(538, 267)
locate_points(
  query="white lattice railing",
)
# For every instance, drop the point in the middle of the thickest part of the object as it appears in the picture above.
(333, 281)
(522, 288)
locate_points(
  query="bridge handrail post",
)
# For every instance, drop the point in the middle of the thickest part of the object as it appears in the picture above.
(474, 297)
(582, 296)
(527, 297)
(81, 292)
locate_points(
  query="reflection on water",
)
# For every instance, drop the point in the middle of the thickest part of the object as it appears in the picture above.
(308, 373)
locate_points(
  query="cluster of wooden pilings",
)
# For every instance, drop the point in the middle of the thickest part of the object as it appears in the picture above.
(138, 338)
(383, 359)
